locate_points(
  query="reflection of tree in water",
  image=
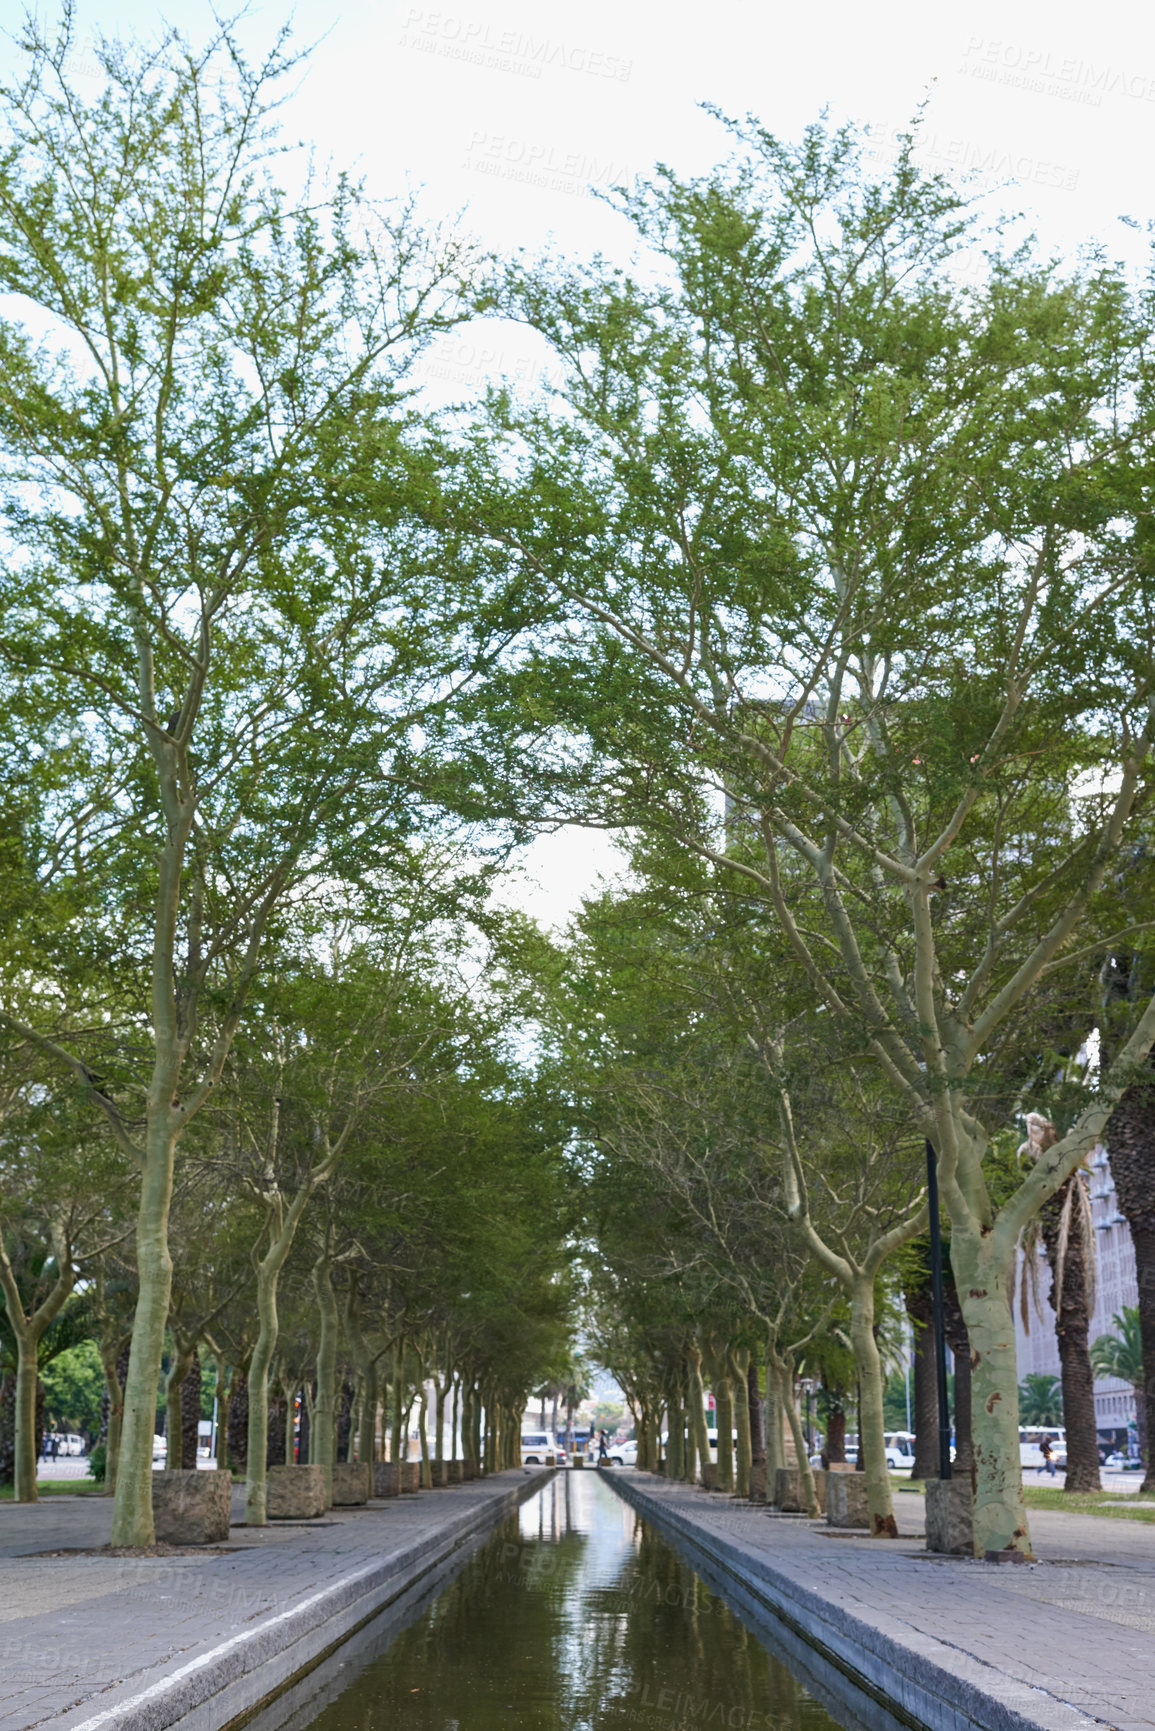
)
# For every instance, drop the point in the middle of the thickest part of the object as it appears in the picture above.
(587, 1633)
(667, 1652)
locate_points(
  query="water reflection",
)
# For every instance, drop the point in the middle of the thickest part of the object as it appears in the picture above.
(576, 1616)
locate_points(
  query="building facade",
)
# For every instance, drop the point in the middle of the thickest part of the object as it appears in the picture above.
(1116, 1285)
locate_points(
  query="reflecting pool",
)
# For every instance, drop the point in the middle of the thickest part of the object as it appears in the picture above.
(575, 1616)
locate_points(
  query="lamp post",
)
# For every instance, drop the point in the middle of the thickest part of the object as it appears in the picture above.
(944, 1468)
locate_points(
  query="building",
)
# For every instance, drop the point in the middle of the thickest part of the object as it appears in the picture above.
(1116, 1286)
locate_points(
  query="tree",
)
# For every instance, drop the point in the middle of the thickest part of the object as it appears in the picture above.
(223, 627)
(857, 557)
(1040, 1399)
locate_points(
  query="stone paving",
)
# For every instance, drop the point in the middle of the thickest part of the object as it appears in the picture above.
(1067, 1641)
(84, 1636)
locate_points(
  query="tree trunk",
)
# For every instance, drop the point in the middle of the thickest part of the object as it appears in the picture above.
(115, 1373)
(981, 1267)
(183, 1353)
(775, 1445)
(238, 1420)
(222, 1399)
(784, 1378)
(324, 1416)
(1130, 1140)
(276, 1444)
(190, 1412)
(398, 1396)
(958, 1340)
(1073, 1328)
(346, 1396)
(304, 1434)
(132, 1523)
(871, 1416)
(739, 1361)
(698, 1417)
(29, 1331)
(918, 1308)
(758, 1486)
(724, 1403)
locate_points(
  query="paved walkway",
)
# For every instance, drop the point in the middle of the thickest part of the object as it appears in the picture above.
(84, 1639)
(1068, 1641)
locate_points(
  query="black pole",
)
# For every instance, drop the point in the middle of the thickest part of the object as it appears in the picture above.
(944, 1470)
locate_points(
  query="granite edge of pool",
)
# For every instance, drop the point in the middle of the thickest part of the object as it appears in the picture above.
(930, 1685)
(244, 1674)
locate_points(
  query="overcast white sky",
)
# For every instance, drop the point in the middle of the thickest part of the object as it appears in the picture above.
(507, 112)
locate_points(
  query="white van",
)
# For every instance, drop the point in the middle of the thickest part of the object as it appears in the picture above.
(899, 1450)
(1031, 1455)
(536, 1445)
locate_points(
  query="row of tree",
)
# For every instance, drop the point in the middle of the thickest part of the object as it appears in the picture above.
(823, 573)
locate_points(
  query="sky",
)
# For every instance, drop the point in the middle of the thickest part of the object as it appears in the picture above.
(506, 116)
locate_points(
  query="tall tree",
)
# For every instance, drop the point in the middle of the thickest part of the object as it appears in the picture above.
(222, 621)
(853, 620)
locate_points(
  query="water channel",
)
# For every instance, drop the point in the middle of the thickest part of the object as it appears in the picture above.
(574, 1616)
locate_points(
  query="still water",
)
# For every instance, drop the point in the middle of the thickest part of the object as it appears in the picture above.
(576, 1616)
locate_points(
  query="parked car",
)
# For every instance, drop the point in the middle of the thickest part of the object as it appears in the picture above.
(536, 1445)
(159, 1449)
(624, 1454)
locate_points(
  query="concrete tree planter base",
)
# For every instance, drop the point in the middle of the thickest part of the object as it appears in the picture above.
(456, 1472)
(578, 1461)
(468, 1472)
(758, 1481)
(191, 1508)
(350, 1484)
(710, 1475)
(950, 1516)
(296, 1493)
(440, 1471)
(846, 1504)
(410, 1475)
(385, 1482)
(789, 1495)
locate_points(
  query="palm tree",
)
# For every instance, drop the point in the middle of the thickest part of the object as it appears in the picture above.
(1040, 1401)
(1065, 1232)
(1121, 1355)
(1130, 1139)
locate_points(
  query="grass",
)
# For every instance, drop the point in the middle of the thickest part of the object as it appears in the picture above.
(1115, 1505)
(58, 1488)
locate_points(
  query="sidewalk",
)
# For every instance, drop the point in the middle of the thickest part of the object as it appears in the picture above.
(138, 1643)
(1065, 1645)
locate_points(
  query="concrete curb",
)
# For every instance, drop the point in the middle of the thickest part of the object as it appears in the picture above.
(239, 1676)
(913, 1677)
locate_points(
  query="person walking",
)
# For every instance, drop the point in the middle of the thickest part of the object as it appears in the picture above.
(603, 1447)
(1048, 1455)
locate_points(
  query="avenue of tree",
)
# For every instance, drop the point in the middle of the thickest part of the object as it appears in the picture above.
(823, 578)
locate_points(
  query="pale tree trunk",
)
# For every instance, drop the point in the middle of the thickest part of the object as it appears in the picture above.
(871, 1417)
(132, 1523)
(29, 1331)
(282, 1227)
(775, 1445)
(784, 1378)
(982, 1265)
(698, 1416)
(324, 1415)
(454, 1416)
